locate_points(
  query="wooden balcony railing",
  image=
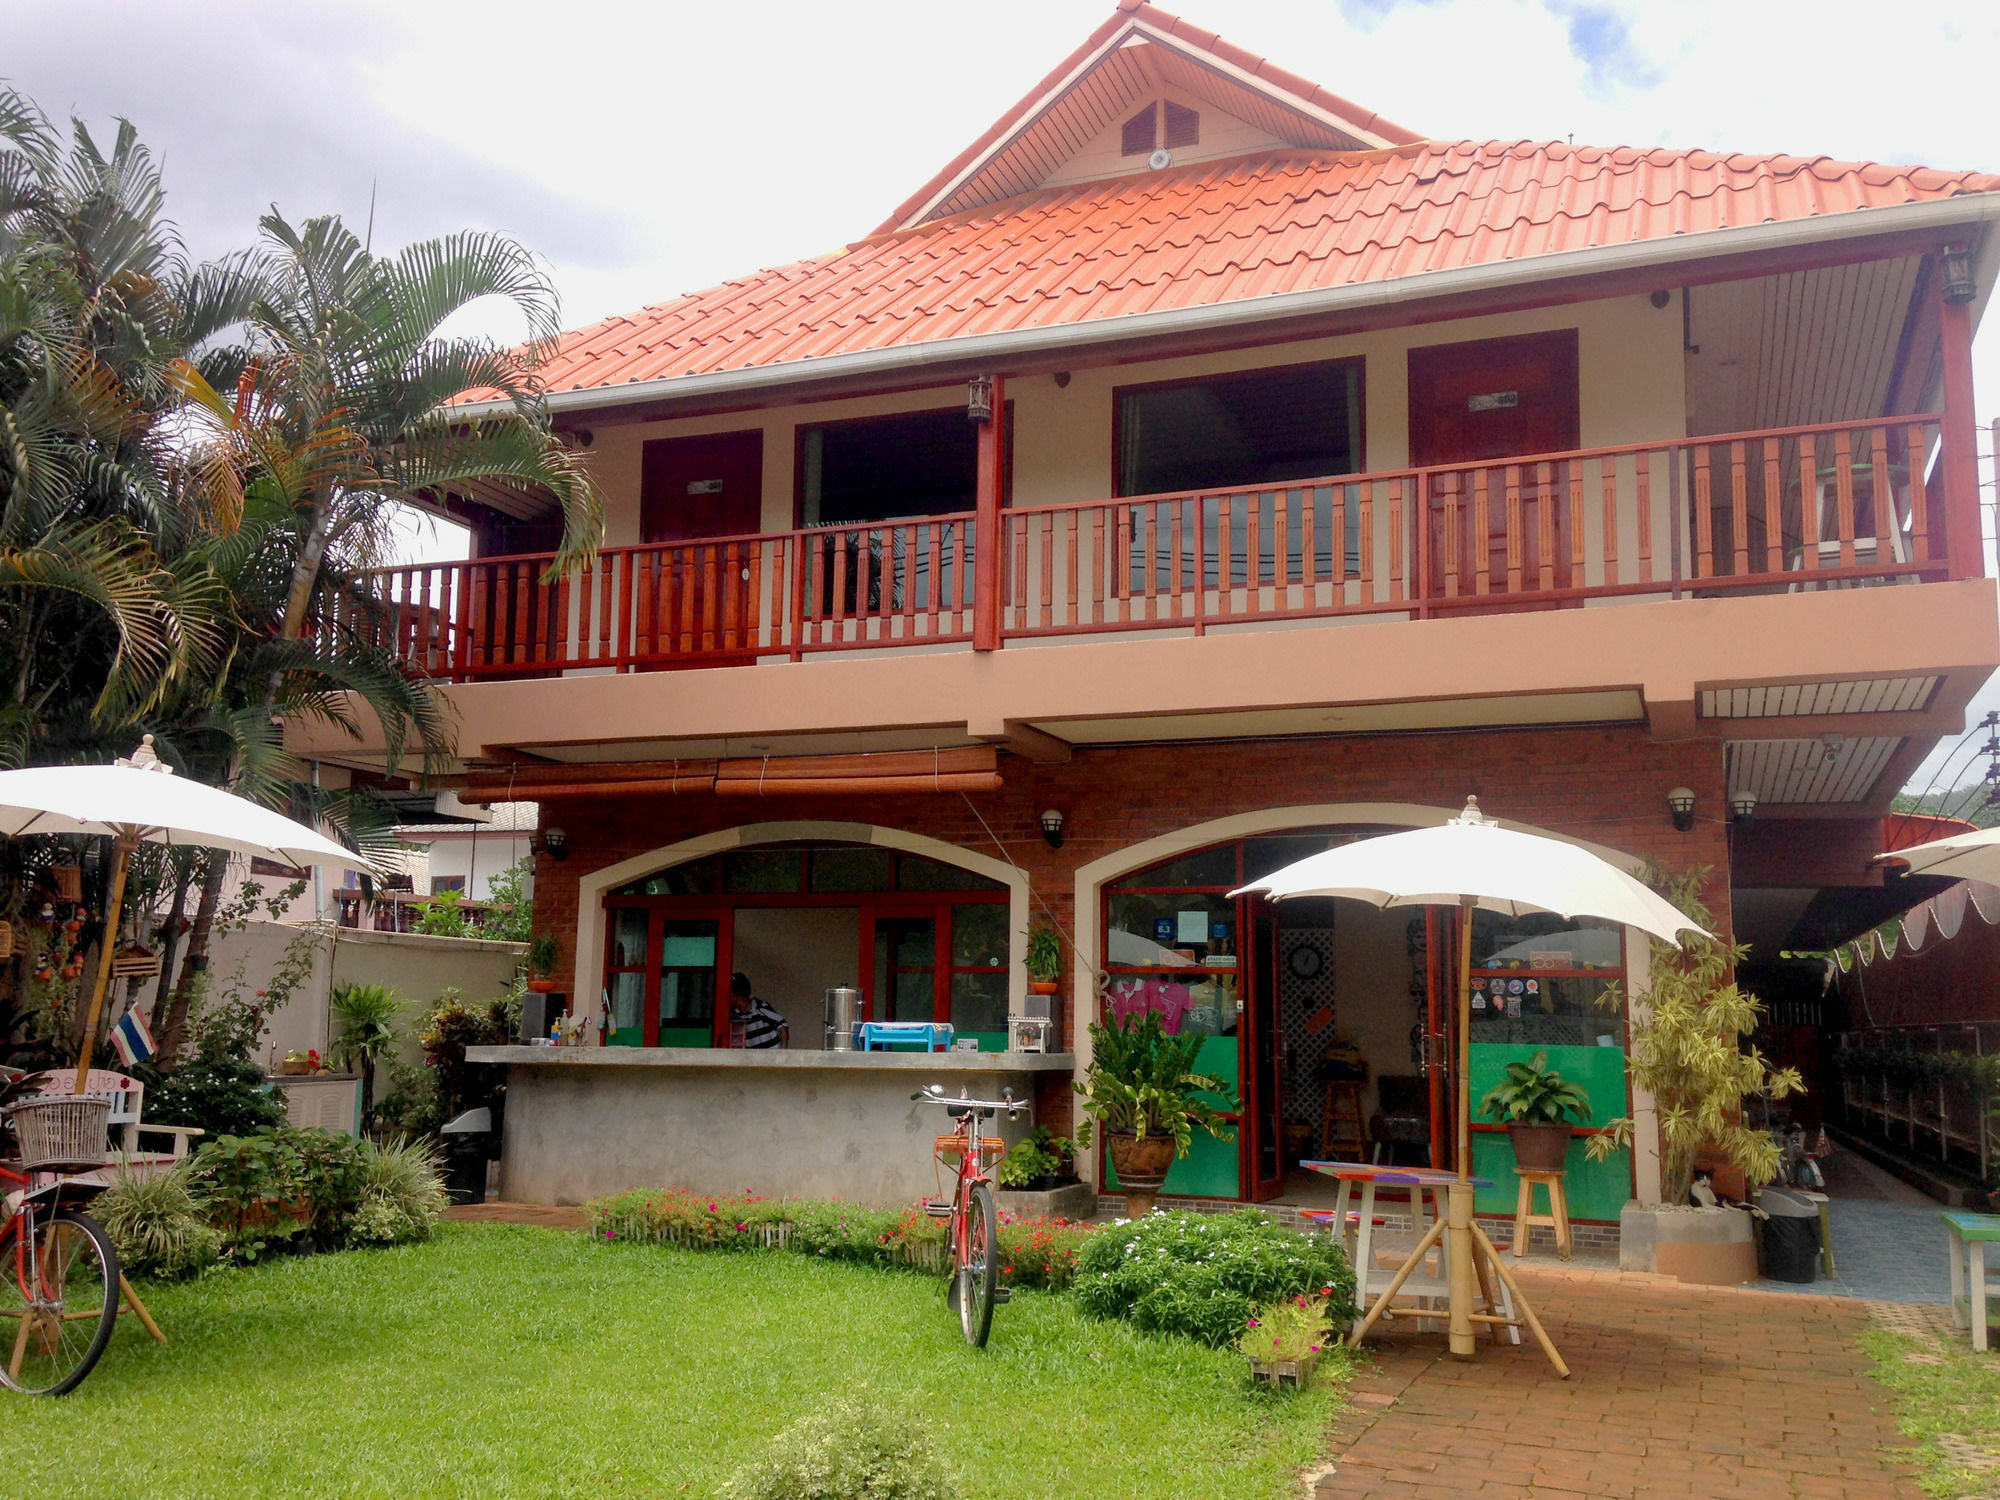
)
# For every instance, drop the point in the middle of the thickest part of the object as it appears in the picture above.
(1790, 509)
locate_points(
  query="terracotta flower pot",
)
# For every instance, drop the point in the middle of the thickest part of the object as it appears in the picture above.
(1539, 1148)
(541, 986)
(1142, 1166)
(1044, 986)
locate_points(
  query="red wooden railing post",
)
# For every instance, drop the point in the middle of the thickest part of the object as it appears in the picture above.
(1959, 455)
(986, 524)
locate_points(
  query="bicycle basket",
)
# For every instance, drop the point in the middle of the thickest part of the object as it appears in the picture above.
(62, 1132)
(952, 1147)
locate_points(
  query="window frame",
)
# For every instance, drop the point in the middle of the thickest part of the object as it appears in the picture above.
(800, 431)
(1358, 362)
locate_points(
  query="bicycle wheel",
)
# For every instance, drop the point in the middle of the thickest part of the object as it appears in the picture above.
(979, 1272)
(51, 1334)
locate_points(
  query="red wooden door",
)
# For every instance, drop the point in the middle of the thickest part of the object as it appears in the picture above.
(1496, 399)
(692, 489)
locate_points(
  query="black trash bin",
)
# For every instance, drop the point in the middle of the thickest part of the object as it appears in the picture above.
(467, 1141)
(1791, 1236)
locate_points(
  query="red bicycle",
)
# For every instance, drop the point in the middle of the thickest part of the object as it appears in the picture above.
(974, 1229)
(59, 1288)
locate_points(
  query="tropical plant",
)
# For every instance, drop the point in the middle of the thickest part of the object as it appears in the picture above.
(510, 915)
(402, 1193)
(444, 916)
(1039, 1153)
(1144, 1081)
(364, 1018)
(544, 952)
(1533, 1093)
(155, 1220)
(1044, 954)
(1689, 1049)
(1202, 1275)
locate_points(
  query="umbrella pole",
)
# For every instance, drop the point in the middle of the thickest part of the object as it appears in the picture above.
(1458, 1197)
(121, 850)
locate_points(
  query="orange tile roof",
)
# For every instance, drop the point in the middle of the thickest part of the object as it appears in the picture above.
(1221, 232)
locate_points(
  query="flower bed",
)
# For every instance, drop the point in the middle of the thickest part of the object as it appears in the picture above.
(1033, 1252)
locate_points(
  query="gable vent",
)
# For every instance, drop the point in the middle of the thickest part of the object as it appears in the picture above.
(1139, 132)
(1183, 125)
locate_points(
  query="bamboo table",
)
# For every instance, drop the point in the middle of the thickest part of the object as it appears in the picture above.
(1501, 1305)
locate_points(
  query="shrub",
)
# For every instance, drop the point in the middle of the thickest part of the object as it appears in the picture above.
(1202, 1275)
(402, 1194)
(453, 1027)
(155, 1220)
(852, 1450)
(277, 1185)
(410, 1104)
(219, 1095)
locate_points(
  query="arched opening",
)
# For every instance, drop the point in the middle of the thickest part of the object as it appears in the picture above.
(925, 930)
(1331, 1017)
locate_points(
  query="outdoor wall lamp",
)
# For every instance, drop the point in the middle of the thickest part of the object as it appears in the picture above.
(979, 398)
(1052, 825)
(553, 842)
(1680, 802)
(1958, 285)
(1743, 808)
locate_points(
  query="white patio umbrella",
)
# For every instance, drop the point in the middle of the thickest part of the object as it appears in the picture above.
(140, 800)
(1961, 856)
(1471, 862)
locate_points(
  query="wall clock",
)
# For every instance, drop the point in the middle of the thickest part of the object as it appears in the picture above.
(1305, 961)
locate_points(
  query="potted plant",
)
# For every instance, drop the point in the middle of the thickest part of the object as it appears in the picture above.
(1690, 1050)
(1044, 960)
(1283, 1341)
(1141, 1089)
(1039, 1162)
(1536, 1106)
(365, 1015)
(543, 953)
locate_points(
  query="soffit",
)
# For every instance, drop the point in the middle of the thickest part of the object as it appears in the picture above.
(1802, 771)
(1612, 707)
(1869, 695)
(1803, 347)
(733, 747)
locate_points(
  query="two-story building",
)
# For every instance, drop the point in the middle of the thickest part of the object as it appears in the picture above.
(1200, 468)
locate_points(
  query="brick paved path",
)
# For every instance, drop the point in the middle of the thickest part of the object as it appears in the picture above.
(1675, 1390)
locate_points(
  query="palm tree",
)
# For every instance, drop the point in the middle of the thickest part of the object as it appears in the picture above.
(342, 406)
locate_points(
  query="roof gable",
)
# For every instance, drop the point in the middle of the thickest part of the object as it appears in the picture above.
(1139, 56)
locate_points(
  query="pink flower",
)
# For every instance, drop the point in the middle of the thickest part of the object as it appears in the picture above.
(1253, 1323)
(741, 1227)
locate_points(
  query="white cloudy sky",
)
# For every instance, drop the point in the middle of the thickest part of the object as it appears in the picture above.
(650, 149)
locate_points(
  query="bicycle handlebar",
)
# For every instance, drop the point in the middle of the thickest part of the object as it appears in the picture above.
(935, 1094)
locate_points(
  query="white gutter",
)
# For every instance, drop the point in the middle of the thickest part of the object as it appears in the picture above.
(997, 349)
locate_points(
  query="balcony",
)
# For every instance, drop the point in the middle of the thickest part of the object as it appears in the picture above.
(1769, 512)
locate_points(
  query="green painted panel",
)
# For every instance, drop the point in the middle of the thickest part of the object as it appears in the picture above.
(989, 1041)
(1211, 1168)
(625, 1036)
(686, 1036)
(1596, 1190)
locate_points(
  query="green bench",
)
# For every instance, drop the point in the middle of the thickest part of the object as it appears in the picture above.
(1966, 1238)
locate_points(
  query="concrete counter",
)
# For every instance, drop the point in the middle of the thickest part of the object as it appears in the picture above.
(585, 1121)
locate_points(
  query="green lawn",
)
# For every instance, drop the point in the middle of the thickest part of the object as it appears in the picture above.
(1948, 1398)
(502, 1360)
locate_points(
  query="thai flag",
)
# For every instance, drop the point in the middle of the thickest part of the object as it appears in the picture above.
(131, 1040)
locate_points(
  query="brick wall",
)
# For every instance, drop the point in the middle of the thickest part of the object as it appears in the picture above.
(1607, 785)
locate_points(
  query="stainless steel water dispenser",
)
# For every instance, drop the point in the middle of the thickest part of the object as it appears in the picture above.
(843, 1009)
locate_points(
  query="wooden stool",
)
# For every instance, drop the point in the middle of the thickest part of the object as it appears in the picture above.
(1557, 1218)
(1341, 1108)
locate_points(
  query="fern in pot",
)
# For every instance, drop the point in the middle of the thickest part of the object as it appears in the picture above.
(1141, 1089)
(1536, 1105)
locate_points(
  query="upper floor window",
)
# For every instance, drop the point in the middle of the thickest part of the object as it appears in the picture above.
(923, 463)
(1229, 431)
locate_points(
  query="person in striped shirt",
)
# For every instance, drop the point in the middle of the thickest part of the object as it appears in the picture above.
(754, 1022)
